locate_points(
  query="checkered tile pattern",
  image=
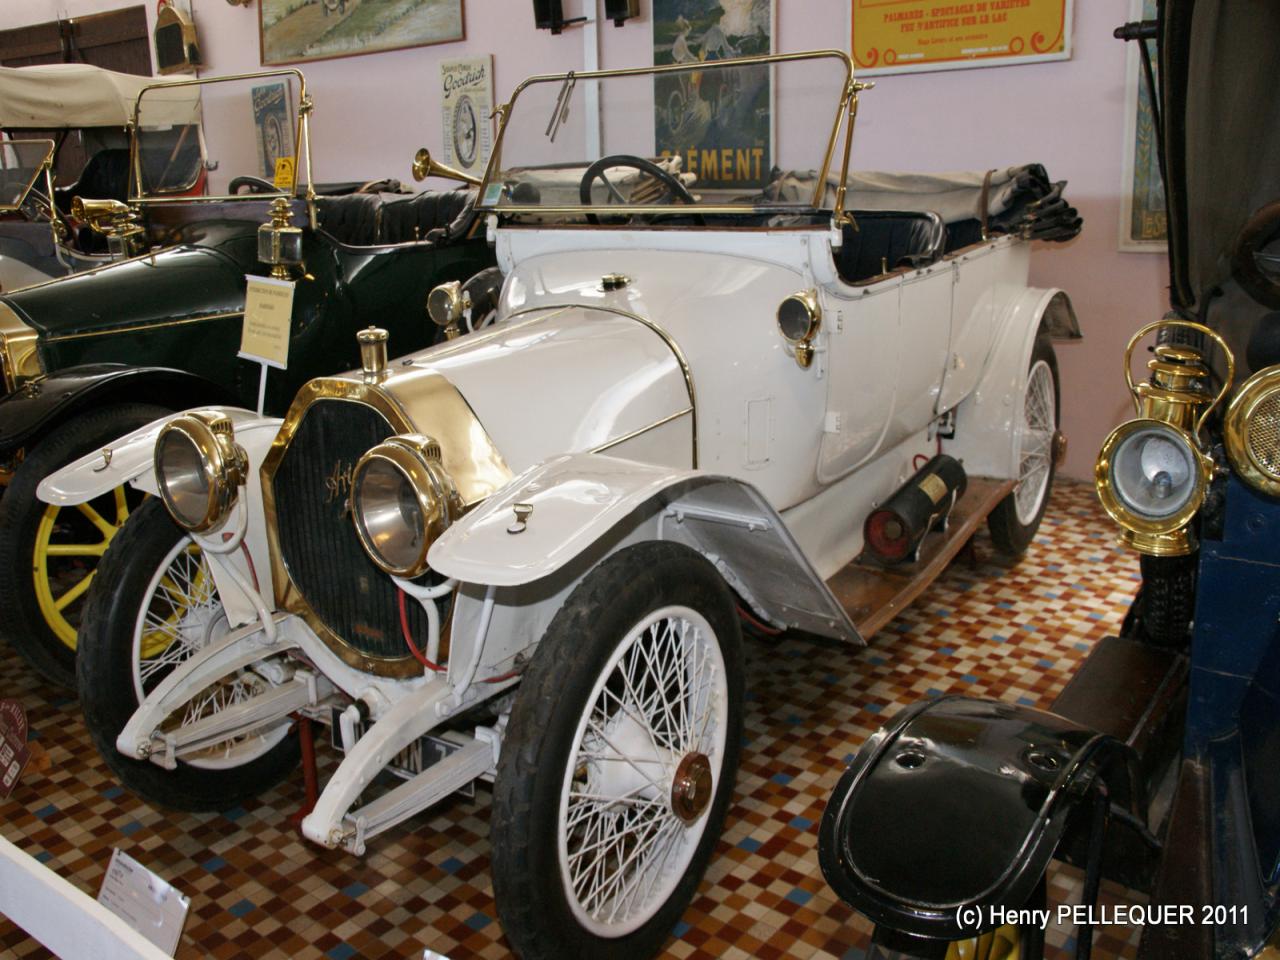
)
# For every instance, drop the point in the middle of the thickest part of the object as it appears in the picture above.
(258, 890)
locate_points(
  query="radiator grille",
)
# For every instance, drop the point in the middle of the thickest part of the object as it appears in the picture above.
(318, 544)
(1264, 435)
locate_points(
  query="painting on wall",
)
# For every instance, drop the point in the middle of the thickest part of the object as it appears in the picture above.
(901, 36)
(295, 31)
(466, 99)
(1144, 219)
(718, 121)
(273, 124)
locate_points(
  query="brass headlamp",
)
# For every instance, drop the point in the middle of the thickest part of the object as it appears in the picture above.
(445, 306)
(402, 500)
(1153, 472)
(200, 468)
(279, 241)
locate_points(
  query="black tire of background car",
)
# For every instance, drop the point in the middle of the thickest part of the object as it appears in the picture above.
(1008, 534)
(1167, 603)
(20, 512)
(105, 673)
(523, 831)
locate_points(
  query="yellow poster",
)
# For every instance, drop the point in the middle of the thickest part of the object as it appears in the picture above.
(893, 36)
(268, 312)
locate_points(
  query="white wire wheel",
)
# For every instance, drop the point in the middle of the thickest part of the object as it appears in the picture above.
(180, 613)
(620, 758)
(152, 605)
(1015, 520)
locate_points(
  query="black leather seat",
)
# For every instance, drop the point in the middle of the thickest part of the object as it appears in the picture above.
(404, 221)
(350, 219)
(366, 220)
(104, 177)
(885, 240)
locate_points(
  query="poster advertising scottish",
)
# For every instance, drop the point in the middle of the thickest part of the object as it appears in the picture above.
(466, 99)
(899, 36)
(719, 121)
(273, 126)
(1144, 220)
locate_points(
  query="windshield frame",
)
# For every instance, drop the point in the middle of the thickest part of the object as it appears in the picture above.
(45, 167)
(847, 106)
(301, 143)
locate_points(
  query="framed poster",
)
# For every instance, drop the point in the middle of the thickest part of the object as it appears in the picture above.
(901, 36)
(466, 99)
(273, 123)
(1144, 220)
(719, 121)
(295, 31)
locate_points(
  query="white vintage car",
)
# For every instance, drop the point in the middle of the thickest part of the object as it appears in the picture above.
(526, 555)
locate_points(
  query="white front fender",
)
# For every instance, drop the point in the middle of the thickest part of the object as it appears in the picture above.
(591, 504)
(127, 460)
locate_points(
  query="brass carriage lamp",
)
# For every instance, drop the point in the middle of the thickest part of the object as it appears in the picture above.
(116, 221)
(279, 241)
(1153, 472)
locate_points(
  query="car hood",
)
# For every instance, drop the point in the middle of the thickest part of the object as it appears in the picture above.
(189, 280)
(564, 380)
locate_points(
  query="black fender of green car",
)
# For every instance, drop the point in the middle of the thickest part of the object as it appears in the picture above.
(44, 403)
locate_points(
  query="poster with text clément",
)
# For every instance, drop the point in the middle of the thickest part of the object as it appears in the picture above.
(900, 36)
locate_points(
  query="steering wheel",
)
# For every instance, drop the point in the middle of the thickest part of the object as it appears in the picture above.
(674, 188)
(255, 185)
(1255, 262)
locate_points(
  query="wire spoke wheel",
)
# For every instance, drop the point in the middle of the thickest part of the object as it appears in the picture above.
(1016, 518)
(1035, 441)
(648, 750)
(619, 759)
(180, 613)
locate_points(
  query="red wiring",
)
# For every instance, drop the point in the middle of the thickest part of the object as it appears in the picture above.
(915, 461)
(762, 627)
(408, 637)
(248, 558)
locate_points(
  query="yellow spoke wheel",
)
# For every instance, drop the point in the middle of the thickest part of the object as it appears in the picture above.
(65, 556)
(1003, 943)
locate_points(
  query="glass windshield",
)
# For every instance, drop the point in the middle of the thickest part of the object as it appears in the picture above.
(22, 164)
(264, 158)
(711, 135)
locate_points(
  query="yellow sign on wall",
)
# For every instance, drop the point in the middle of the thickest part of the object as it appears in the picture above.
(892, 36)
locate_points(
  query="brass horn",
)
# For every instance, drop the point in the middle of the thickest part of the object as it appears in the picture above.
(110, 217)
(424, 166)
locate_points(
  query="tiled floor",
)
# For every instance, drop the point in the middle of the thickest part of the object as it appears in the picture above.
(258, 890)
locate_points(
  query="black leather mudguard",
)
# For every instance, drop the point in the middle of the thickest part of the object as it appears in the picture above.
(41, 404)
(961, 803)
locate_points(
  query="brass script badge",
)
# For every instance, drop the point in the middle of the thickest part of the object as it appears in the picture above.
(338, 482)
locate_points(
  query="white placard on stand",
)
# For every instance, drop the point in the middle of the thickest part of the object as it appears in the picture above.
(141, 899)
(268, 316)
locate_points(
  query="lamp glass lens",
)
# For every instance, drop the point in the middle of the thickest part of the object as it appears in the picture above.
(1154, 471)
(389, 513)
(183, 473)
(794, 319)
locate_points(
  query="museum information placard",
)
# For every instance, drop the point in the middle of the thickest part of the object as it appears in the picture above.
(892, 36)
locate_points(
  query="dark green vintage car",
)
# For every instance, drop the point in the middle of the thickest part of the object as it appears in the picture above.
(90, 357)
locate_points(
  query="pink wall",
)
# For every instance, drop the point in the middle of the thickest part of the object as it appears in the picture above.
(373, 112)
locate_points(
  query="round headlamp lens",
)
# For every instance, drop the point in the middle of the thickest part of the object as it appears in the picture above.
(390, 515)
(797, 318)
(184, 478)
(1155, 472)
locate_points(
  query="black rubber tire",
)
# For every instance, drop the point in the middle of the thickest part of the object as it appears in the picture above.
(1010, 536)
(24, 626)
(1168, 601)
(609, 601)
(105, 674)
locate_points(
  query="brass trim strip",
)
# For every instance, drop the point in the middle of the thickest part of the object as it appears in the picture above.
(680, 359)
(149, 255)
(616, 441)
(491, 333)
(159, 325)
